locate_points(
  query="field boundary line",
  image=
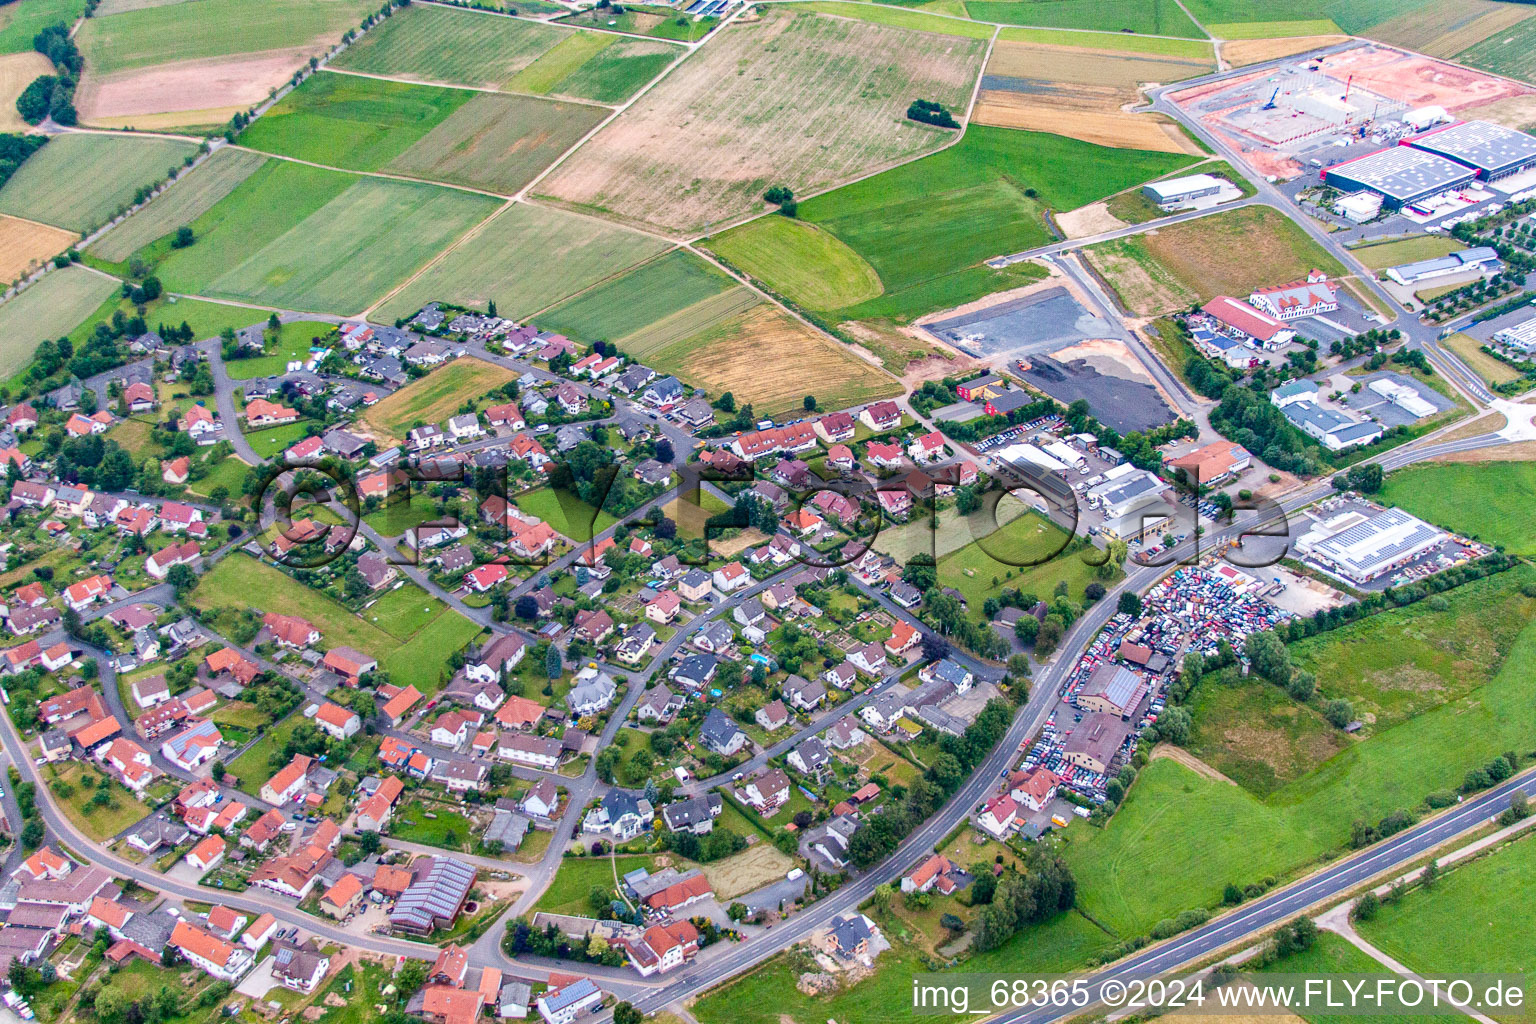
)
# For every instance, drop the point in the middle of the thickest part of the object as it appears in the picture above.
(375, 174)
(467, 88)
(566, 28)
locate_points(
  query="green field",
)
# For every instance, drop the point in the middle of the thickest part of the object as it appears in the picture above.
(1406, 250)
(1511, 52)
(1027, 538)
(51, 308)
(809, 266)
(254, 767)
(1180, 837)
(436, 396)
(925, 226)
(351, 122)
(498, 142)
(1256, 735)
(160, 35)
(81, 181)
(1474, 921)
(1147, 17)
(448, 828)
(596, 66)
(181, 204)
(567, 893)
(303, 237)
(293, 342)
(899, 17)
(691, 322)
(1482, 500)
(450, 45)
(576, 252)
(26, 18)
(661, 22)
(97, 821)
(1334, 954)
(567, 514)
(1190, 49)
(645, 295)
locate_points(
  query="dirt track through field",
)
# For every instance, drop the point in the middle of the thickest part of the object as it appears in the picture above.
(1189, 761)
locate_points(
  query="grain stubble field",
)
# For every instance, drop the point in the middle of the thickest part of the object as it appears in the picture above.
(796, 98)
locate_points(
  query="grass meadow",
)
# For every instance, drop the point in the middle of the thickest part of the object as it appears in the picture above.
(52, 308)
(293, 342)
(808, 266)
(81, 181)
(575, 253)
(566, 513)
(1180, 837)
(436, 396)
(303, 237)
(649, 293)
(985, 567)
(926, 226)
(1406, 250)
(451, 46)
(192, 197)
(1186, 49)
(26, 18)
(161, 35)
(351, 122)
(577, 876)
(597, 66)
(1144, 17)
(1488, 501)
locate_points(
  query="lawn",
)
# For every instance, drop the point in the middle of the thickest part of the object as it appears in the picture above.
(1487, 501)
(157, 35)
(566, 513)
(985, 567)
(403, 611)
(597, 66)
(772, 360)
(1180, 837)
(826, 96)
(180, 205)
(1471, 922)
(926, 226)
(240, 581)
(303, 237)
(82, 181)
(434, 43)
(808, 266)
(419, 662)
(437, 396)
(1406, 250)
(66, 784)
(1334, 954)
(576, 252)
(497, 142)
(1183, 264)
(649, 293)
(448, 828)
(270, 441)
(293, 343)
(241, 715)
(53, 307)
(1145, 17)
(347, 121)
(254, 767)
(567, 893)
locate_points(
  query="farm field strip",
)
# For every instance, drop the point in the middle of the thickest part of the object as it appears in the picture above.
(26, 244)
(81, 180)
(188, 199)
(51, 308)
(620, 307)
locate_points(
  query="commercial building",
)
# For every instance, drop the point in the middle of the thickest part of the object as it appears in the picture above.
(1095, 741)
(1335, 430)
(1298, 299)
(1400, 175)
(1492, 150)
(1362, 546)
(1403, 396)
(1113, 689)
(1521, 336)
(1124, 490)
(1189, 189)
(1238, 318)
(1481, 257)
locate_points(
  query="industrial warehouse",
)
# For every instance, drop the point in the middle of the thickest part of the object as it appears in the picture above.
(1437, 161)
(1492, 150)
(1362, 543)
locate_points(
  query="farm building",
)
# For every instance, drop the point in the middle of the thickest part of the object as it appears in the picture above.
(1362, 546)
(1492, 150)
(1400, 175)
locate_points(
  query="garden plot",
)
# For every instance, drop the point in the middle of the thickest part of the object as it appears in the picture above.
(797, 98)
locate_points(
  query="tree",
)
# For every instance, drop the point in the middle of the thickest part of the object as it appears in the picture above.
(664, 451)
(527, 608)
(1339, 712)
(921, 572)
(809, 403)
(1366, 907)
(218, 771)
(369, 843)
(109, 1005)
(183, 579)
(736, 912)
(625, 1013)
(553, 666)
(183, 238)
(410, 977)
(1267, 654)
(1130, 603)
(883, 894)
(1026, 629)
(1173, 725)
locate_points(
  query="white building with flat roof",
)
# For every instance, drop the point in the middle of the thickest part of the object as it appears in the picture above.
(1188, 189)
(1362, 546)
(1521, 336)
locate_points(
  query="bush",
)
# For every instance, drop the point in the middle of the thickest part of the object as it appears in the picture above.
(929, 112)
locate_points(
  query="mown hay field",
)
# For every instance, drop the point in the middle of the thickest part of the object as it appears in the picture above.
(17, 70)
(302, 237)
(51, 308)
(1082, 94)
(690, 321)
(1242, 52)
(597, 66)
(436, 396)
(768, 358)
(26, 18)
(654, 291)
(449, 45)
(1146, 17)
(1171, 268)
(797, 98)
(26, 244)
(81, 181)
(189, 199)
(219, 28)
(498, 142)
(572, 253)
(807, 265)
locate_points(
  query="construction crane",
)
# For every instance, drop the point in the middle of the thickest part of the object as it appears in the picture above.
(1271, 104)
(1347, 83)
